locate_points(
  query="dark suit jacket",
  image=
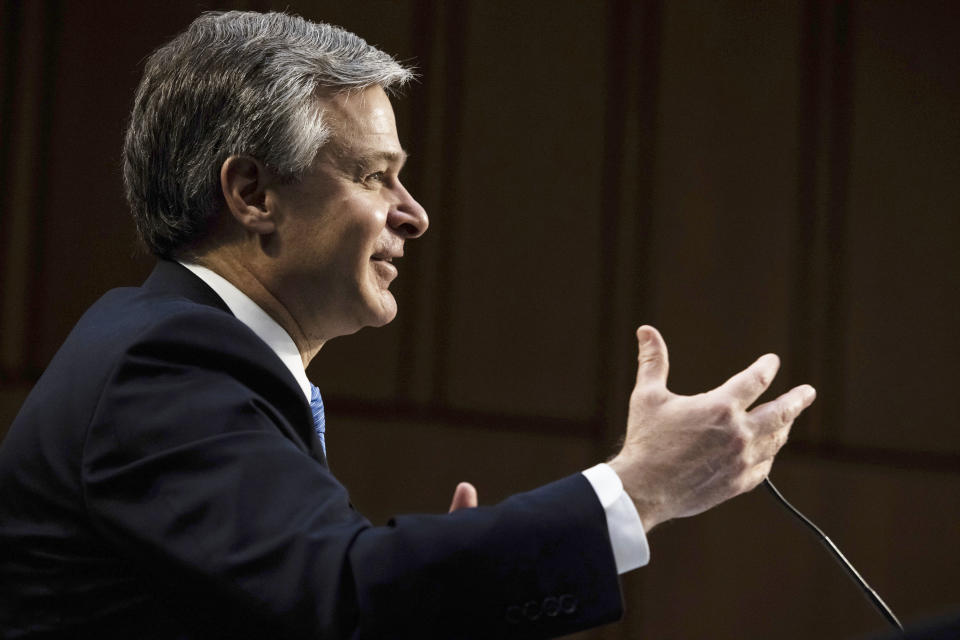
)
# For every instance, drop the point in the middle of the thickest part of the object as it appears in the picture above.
(163, 480)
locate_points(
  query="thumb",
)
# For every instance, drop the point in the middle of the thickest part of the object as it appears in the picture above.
(652, 361)
(464, 497)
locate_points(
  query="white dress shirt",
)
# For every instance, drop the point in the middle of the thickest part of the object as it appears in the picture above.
(627, 536)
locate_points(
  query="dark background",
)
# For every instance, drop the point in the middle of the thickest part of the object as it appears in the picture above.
(745, 176)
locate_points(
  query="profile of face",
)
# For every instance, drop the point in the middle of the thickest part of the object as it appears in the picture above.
(341, 229)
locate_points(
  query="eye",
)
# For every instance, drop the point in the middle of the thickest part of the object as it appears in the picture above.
(376, 176)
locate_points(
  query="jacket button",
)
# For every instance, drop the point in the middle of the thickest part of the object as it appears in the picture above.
(568, 604)
(514, 615)
(531, 610)
(551, 606)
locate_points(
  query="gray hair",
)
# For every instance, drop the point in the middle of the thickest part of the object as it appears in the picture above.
(234, 83)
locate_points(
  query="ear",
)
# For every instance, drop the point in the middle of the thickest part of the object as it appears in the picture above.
(243, 181)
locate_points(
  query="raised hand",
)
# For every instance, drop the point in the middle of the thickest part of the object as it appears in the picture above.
(685, 454)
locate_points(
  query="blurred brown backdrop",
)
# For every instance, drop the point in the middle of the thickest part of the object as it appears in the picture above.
(746, 176)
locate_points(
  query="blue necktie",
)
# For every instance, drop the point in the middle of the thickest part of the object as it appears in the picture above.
(319, 423)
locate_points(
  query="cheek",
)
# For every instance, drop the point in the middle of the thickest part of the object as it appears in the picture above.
(360, 227)
(349, 231)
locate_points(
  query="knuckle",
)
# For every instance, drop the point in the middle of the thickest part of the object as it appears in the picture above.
(645, 358)
(739, 441)
(735, 451)
(724, 411)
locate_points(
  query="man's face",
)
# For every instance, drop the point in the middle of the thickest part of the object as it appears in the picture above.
(341, 229)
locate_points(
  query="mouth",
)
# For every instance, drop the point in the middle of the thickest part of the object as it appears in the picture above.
(387, 256)
(384, 262)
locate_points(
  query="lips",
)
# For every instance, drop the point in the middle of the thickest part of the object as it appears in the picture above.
(384, 263)
(387, 255)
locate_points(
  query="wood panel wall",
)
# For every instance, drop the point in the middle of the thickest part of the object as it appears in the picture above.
(746, 176)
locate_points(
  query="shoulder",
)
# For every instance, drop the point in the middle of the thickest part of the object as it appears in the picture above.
(147, 326)
(188, 378)
(165, 348)
(138, 354)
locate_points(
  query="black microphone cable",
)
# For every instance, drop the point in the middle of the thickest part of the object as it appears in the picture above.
(872, 596)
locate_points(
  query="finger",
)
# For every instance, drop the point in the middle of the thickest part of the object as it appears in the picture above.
(652, 361)
(776, 414)
(746, 386)
(464, 497)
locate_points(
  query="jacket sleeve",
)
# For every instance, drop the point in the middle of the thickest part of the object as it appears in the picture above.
(197, 467)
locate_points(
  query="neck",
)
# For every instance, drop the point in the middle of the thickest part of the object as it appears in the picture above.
(245, 277)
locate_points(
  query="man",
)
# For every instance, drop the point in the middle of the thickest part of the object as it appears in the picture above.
(167, 476)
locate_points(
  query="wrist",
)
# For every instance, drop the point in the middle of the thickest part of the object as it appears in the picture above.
(652, 511)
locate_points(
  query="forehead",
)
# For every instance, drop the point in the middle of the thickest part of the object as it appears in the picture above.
(361, 121)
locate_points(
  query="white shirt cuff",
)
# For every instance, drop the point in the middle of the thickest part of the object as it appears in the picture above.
(627, 536)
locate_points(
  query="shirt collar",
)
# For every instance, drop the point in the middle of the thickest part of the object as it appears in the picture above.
(249, 313)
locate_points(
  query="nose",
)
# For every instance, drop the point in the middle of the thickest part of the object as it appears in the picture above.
(407, 217)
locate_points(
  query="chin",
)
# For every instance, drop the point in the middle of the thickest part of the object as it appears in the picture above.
(382, 311)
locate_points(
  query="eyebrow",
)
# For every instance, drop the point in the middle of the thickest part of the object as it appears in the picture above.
(390, 157)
